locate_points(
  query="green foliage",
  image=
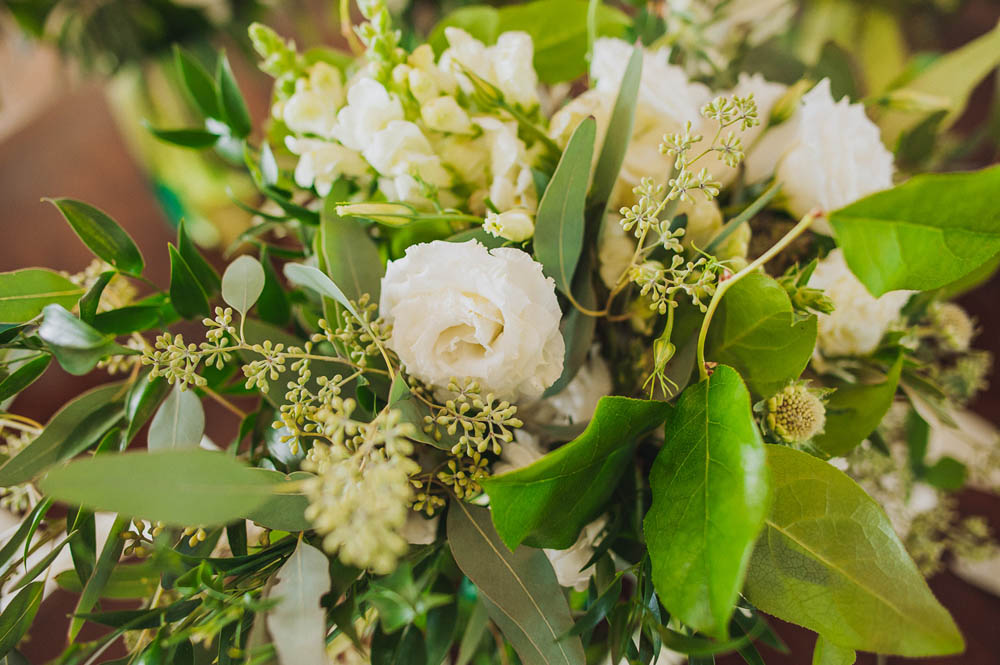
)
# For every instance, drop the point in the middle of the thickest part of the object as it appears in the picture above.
(530, 505)
(179, 487)
(284, 509)
(828, 653)
(559, 222)
(206, 275)
(348, 254)
(619, 134)
(77, 346)
(519, 589)
(186, 293)
(242, 283)
(93, 590)
(926, 233)
(22, 377)
(102, 235)
(829, 560)
(179, 422)
(854, 410)
(757, 332)
(185, 137)
(17, 617)
(710, 495)
(314, 279)
(197, 82)
(233, 108)
(24, 293)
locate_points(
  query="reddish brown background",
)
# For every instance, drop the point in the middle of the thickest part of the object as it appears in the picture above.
(73, 149)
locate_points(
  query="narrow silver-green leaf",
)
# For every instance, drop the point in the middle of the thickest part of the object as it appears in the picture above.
(18, 615)
(619, 131)
(559, 222)
(179, 487)
(315, 279)
(350, 256)
(298, 622)
(519, 589)
(828, 559)
(179, 422)
(24, 293)
(242, 283)
(93, 590)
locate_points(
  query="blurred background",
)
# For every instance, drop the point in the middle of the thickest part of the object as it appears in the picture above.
(77, 80)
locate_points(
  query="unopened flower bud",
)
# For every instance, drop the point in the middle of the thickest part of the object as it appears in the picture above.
(390, 214)
(516, 225)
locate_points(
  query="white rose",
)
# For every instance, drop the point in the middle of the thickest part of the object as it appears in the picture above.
(517, 225)
(828, 154)
(859, 319)
(575, 404)
(567, 563)
(321, 163)
(460, 310)
(507, 64)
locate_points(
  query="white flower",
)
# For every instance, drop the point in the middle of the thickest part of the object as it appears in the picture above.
(459, 310)
(569, 564)
(829, 154)
(401, 149)
(517, 225)
(321, 163)
(443, 114)
(596, 103)
(511, 183)
(615, 248)
(312, 109)
(369, 109)
(507, 64)
(755, 20)
(859, 319)
(575, 404)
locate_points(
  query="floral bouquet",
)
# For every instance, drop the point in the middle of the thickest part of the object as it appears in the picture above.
(522, 371)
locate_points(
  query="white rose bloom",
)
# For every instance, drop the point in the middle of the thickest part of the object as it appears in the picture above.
(460, 310)
(312, 109)
(829, 154)
(569, 564)
(859, 319)
(321, 163)
(507, 64)
(517, 225)
(575, 404)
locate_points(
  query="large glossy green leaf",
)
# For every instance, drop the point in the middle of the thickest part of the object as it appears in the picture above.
(828, 653)
(350, 256)
(541, 505)
(755, 332)
(829, 560)
(186, 293)
(73, 429)
(102, 235)
(519, 589)
(136, 580)
(926, 233)
(710, 491)
(24, 293)
(619, 134)
(180, 487)
(298, 622)
(18, 615)
(855, 410)
(559, 222)
(179, 422)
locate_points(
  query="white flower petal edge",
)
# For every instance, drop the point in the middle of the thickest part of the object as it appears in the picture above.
(460, 310)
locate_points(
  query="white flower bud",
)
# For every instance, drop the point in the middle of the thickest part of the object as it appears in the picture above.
(516, 225)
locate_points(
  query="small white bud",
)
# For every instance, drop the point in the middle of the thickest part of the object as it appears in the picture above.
(516, 225)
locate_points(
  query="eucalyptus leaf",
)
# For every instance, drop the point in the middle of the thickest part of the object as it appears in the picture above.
(923, 234)
(179, 422)
(186, 293)
(619, 132)
(829, 560)
(24, 293)
(134, 580)
(17, 617)
(755, 331)
(73, 429)
(541, 505)
(710, 495)
(283, 510)
(179, 487)
(105, 238)
(298, 622)
(828, 653)
(22, 377)
(350, 256)
(242, 283)
(518, 588)
(313, 278)
(559, 222)
(854, 410)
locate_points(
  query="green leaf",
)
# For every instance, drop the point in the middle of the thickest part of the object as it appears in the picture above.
(619, 131)
(106, 563)
(350, 256)
(186, 137)
(186, 293)
(710, 491)
(24, 376)
(855, 410)
(926, 233)
(179, 487)
(77, 346)
(242, 283)
(559, 222)
(135, 318)
(179, 422)
(19, 614)
(143, 398)
(234, 108)
(92, 299)
(198, 83)
(414, 411)
(202, 269)
(541, 505)
(829, 560)
(102, 235)
(828, 653)
(272, 305)
(519, 589)
(756, 333)
(313, 278)
(298, 622)
(284, 511)
(136, 580)
(480, 21)
(24, 293)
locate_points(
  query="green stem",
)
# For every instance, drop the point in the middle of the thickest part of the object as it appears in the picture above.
(729, 283)
(748, 213)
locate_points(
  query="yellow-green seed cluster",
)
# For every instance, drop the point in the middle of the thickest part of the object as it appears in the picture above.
(795, 414)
